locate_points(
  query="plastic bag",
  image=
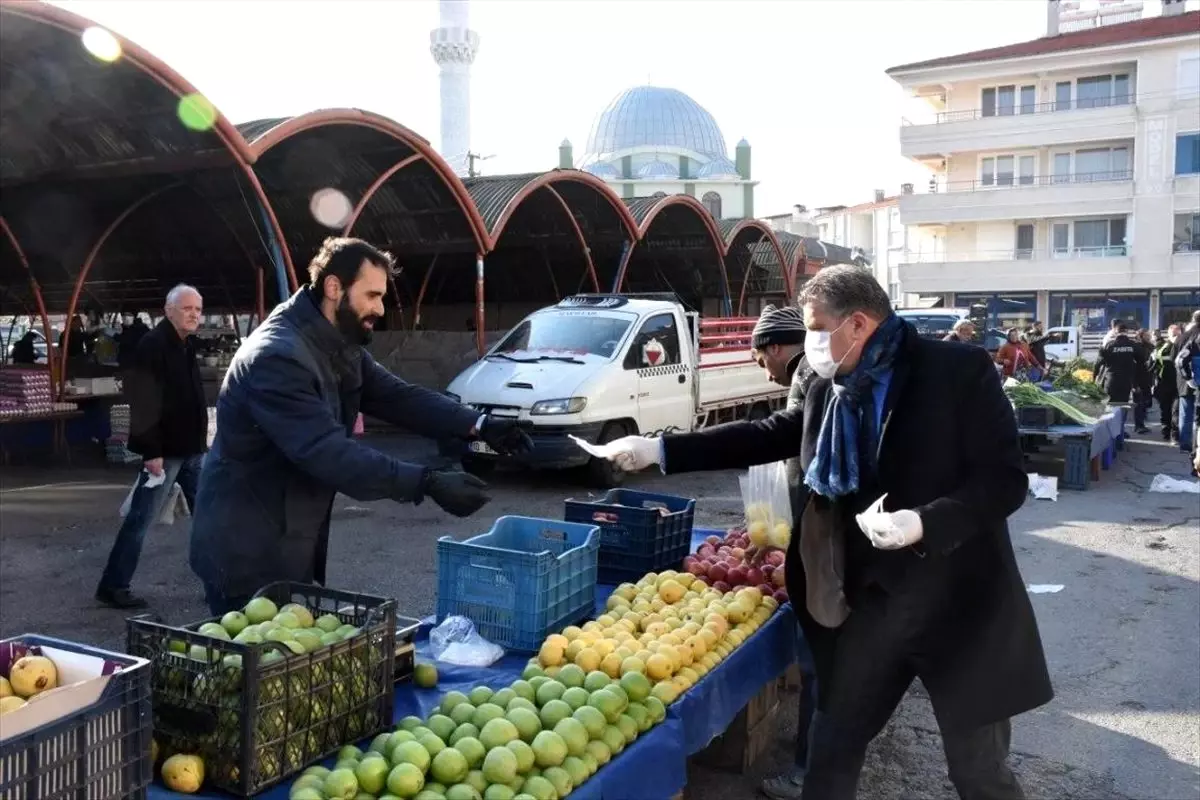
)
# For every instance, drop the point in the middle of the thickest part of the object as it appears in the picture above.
(1169, 485)
(176, 503)
(457, 642)
(1043, 487)
(768, 505)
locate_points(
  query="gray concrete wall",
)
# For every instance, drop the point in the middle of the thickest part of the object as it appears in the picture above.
(428, 358)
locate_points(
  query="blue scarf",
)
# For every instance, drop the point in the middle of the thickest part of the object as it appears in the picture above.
(849, 427)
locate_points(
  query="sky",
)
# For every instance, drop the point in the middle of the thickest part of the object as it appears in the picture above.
(802, 80)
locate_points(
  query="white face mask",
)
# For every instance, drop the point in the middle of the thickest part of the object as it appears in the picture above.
(818, 349)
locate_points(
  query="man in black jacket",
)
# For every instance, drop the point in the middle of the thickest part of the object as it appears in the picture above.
(1186, 354)
(284, 447)
(1123, 366)
(168, 428)
(912, 462)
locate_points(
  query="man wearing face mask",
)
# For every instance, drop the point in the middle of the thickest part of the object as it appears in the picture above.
(284, 447)
(912, 462)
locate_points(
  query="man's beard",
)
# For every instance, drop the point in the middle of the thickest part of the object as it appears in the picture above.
(350, 325)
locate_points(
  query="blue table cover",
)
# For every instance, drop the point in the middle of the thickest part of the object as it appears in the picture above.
(655, 765)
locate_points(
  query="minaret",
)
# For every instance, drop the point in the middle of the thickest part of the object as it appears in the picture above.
(454, 46)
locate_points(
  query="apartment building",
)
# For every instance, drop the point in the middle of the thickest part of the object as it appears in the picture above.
(1065, 171)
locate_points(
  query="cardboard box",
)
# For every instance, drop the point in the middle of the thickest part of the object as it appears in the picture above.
(81, 682)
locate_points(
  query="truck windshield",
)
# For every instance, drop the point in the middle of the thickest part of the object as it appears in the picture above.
(569, 332)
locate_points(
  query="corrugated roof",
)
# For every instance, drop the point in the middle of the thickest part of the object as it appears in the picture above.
(257, 128)
(64, 112)
(1123, 33)
(640, 207)
(493, 193)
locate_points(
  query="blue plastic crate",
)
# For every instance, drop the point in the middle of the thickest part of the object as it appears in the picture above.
(100, 752)
(635, 536)
(521, 581)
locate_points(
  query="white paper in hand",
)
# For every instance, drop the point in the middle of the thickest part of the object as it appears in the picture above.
(597, 450)
(154, 480)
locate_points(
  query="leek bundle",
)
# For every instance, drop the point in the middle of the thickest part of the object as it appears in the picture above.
(1028, 394)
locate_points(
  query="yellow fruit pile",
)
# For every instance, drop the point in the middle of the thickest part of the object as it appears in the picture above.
(667, 627)
(29, 676)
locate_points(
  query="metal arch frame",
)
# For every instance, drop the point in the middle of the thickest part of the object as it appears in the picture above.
(112, 228)
(706, 219)
(37, 296)
(352, 116)
(375, 187)
(170, 80)
(770, 236)
(583, 244)
(547, 179)
(523, 195)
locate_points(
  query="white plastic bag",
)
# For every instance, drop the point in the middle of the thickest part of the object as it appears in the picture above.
(1169, 485)
(176, 503)
(457, 642)
(768, 505)
(1043, 487)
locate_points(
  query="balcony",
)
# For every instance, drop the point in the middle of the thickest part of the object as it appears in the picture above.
(1020, 127)
(1020, 197)
(1074, 268)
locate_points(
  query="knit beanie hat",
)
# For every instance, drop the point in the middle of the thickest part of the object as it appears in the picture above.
(778, 326)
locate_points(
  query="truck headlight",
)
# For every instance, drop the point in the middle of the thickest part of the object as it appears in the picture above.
(563, 405)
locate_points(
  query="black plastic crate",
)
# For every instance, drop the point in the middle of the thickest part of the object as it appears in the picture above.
(1036, 416)
(636, 536)
(101, 752)
(259, 713)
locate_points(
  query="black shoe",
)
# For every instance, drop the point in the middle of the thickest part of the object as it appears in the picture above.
(1141, 431)
(119, 598)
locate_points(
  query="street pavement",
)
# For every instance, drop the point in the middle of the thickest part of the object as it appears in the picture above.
(1122, 636)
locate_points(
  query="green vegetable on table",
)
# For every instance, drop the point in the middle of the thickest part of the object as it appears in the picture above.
(1027, 394)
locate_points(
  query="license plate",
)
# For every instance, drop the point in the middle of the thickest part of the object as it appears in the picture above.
(482, 447)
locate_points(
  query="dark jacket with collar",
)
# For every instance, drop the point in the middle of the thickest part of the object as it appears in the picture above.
(168, 416)
(948, 450)
(284, 448)
(1123, 361)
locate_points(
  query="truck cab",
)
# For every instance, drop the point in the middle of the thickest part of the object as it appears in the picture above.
(604, 366)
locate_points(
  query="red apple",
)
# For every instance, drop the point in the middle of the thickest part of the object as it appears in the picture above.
(767, 569)
(736, 576)
(738, 553)
(766, 589)
(724, 550)
(775, 557)
(721, 586)
(717, 573)
(689, 560)
(696, 568)
(753, 576)
(713, 540)
(781, 596)
(702, 579)
(779, 578)
(706, 549)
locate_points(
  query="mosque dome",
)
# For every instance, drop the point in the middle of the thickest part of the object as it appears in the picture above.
(658, 169)
(719, 168)
(603, 170)
(649, 117)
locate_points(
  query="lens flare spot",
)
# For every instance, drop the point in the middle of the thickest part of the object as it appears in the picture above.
(101, 44)
(330, 207)
(196, 112)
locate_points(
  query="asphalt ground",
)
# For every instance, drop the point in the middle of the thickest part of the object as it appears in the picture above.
(1122, 636)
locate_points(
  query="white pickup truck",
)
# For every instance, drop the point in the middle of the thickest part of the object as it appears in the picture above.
(603, 366)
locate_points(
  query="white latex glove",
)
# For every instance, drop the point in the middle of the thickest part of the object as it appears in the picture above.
(634, 453)
(890, 530)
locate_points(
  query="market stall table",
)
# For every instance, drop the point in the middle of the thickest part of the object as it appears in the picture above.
(58, 426)
(1084, 448)
(655, 765)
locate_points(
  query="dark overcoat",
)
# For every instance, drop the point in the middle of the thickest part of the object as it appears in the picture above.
(948, 450)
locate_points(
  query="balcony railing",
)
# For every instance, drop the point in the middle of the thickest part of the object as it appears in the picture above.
(1020, 109)
(1187, 247)
(1018, 254)
(1010, 181)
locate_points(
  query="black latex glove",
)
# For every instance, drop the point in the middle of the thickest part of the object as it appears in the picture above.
(505, 436)
(455, 491)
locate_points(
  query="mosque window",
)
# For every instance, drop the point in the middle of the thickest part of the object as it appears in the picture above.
(712, 201)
